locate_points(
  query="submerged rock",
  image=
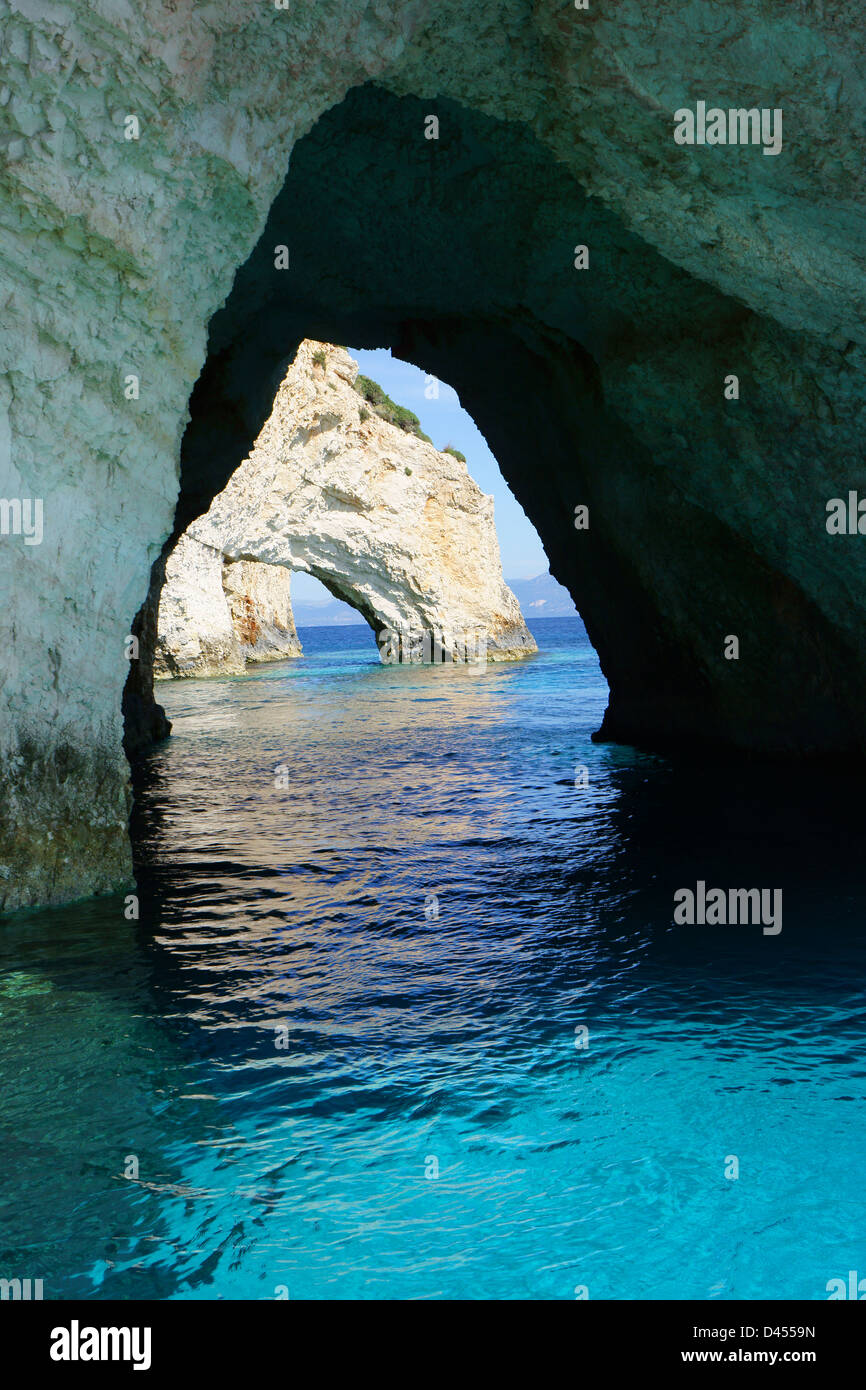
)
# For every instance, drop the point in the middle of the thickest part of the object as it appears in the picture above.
(342, 484)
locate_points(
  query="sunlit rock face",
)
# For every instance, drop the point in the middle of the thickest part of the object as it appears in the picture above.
(215, 616)
(385, 520)
(259, 599)
(195, 634)
(599, 387)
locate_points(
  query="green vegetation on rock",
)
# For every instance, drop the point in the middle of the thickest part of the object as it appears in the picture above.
(388, 410)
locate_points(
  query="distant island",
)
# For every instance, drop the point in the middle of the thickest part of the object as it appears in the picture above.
(540, 597)
(543, 597)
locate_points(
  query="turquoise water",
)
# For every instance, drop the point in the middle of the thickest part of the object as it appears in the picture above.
(157, 1143)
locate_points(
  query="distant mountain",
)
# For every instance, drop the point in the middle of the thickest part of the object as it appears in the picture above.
(324, 612)
(543, 597)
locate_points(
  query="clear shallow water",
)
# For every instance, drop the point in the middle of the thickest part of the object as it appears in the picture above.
(411, 1039)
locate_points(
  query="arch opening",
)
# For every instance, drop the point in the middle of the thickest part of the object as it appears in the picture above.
(393, 240)
(345, 486)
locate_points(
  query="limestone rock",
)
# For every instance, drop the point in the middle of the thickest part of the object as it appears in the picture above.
(260, 604)
(196, 635)
(388, 522)
(214, 616)
(138, 361)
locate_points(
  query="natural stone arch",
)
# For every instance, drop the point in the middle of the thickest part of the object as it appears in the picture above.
(603, 389)
(391, 525)
(117, 255)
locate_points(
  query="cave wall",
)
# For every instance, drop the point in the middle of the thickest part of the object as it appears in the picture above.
(118, 253)
(603, 388)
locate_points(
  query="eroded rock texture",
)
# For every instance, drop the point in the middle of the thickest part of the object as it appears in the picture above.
(602, 387)
(215, 616)
(259, 599)
(381, 517)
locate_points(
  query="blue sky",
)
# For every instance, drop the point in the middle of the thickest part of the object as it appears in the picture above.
(447, 422)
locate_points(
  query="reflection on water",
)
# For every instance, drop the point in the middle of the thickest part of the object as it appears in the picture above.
(289, 1050)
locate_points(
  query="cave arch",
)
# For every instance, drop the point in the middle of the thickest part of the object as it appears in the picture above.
(603, 390)
(555, 130)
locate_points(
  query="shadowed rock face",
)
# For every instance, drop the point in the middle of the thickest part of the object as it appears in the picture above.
(603, 388)
(384, 519)
(600, 387)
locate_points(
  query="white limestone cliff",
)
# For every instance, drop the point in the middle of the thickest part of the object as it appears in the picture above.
(259, 599)
(384, 519)
(216, 616)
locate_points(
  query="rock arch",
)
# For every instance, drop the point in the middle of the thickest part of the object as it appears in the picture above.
(603, 389)
(130, 336)
(387, 522)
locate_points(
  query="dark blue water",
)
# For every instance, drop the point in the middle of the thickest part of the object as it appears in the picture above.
(286, 1077)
